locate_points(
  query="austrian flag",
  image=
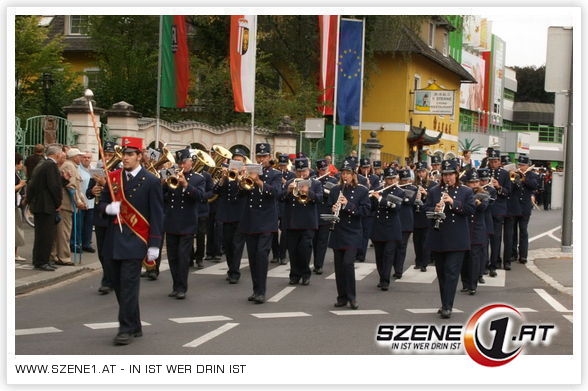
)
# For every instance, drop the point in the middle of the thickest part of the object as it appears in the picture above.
(242, 56)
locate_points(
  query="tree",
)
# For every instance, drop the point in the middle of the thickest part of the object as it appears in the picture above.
(531, 85)
(36, 54)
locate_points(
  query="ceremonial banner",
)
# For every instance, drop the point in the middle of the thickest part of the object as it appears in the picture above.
(349, 72)
(175, 64)
(328, 27)
(242, 57)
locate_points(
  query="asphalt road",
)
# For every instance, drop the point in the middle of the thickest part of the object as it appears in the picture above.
(216, 317)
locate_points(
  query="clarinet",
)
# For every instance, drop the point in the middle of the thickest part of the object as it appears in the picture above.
(337, 209)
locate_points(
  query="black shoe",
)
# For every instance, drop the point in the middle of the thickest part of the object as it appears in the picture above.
(318, 270)
(283, 261)
(251, 298)
(340, 304)
(481, 280)
(144, 274)
(353, 304)
(293, 281)
(259, 299)
(233, 280)
(138, 334)
(123, 339)
(492, 273)
(379, 285)
(181, 295)
(53, 264)
(445, 314)
(523, 261)
(397, 275)
(275, 260)
(486, 272)
(305, 281)
(216, 259)
(507, 266)
(464, 290)
(439, 311)
(173, 294)
(416, 267)
(384, 287)
(472, 292)
(45, 268)
(88, 249)
(199, 265)
(152, 275)
(104, 290)
(360, 260)
(208, 258)
(423, 268)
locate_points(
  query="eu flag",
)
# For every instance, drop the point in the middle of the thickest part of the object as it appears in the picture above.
(349, 72)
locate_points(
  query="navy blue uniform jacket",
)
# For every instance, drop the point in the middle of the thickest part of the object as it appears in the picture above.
(299, 216)
(260, 213)
(181, 205)
(230, 205)
(499, 207)
(387, 224)
(478, 230)
(348, 231)
(530, 184)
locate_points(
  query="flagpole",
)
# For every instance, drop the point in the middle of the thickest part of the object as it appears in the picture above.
(334, 161)
(157, 110)
(252, 148)
(361, 90)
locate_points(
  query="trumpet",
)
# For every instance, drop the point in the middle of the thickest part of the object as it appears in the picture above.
(233, 175)
(173, 181)
(301, 197)
(246, 183)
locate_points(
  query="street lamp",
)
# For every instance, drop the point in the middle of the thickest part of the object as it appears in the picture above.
(47, 84)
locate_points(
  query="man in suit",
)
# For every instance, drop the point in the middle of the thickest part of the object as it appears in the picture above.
(137, 211)
(44, 195)
(260, 219)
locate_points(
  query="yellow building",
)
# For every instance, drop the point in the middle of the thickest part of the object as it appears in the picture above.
(417, 61)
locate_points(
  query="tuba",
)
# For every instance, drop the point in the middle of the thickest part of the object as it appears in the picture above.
(166, 157)
(222, 154)
(200, 160)
(115, 160)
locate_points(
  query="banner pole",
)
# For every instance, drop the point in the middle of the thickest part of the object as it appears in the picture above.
(252, 148)
(361, 90)
(333, 153)
(157, 109)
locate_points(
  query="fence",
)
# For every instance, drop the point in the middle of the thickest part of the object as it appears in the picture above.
(34, 132)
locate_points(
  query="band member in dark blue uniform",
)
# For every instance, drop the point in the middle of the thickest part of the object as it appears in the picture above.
(378, 171)
(260, 220)
(300, 220)
(387, 234)
(367, 221)
(513, 211)
(421, 223)
(501, 183)
(436, 167)
(470, 271)
(529, 183)
(406, 220)
(350, 202)
(181, 221)
(279, 240)
(203, 216)
(230, 209)
(142, 207)
(451, 241)
(321, 236)
(485, 177)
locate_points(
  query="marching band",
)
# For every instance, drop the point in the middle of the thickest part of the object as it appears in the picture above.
(455, 213)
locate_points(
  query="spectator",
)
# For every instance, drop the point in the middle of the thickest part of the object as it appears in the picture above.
(44, 194)
(547, 189)
(87, 216)
(34, 159)
(19, 185)
(331, 167)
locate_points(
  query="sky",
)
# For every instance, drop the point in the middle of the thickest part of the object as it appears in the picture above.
(526, 37)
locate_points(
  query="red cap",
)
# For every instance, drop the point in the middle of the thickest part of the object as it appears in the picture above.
(131, 144)
(292, 156)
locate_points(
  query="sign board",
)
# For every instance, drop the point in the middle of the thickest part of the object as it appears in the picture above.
(314, 128)
(558, 65)
(523, 142)
(498, 58)
(434, 101)
(561, 111)
(472, 94)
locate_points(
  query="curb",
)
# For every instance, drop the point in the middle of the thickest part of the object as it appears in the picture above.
(29, 284)
(547, 253)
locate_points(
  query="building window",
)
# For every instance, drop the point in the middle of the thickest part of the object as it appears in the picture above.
(445, 49)
(417, 82)
(78, 24)
(432, 34)
(91, 77)
(548, 134)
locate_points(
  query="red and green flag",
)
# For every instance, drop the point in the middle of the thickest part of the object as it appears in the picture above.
(175, 65)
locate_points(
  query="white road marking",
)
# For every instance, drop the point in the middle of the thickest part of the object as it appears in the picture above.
(359, 312)
(552, 236)
(108, 325)
(281, 294)
(429, 310)
(525, 309)
(569, 317)
(550, 232)
(413, 275)
(199, 319)
(269, 315)
(164, 265)
(219, 269)
(280, 271)
(551, 301)
(498, 281)
(24, 266)
(362, 269)
(39, 330)
(208, 336)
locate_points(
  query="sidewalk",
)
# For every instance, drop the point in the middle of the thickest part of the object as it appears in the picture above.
(553, 267)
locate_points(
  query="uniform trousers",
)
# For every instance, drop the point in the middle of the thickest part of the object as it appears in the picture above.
(470, 270)
(106, 272)
(234, 243)
(280, 244)
(200, 238)
(508, 234)
(125, 280)
(400, 253)
(258, 248)
(45, 231)
(179, 254)
(320, 242)
(495, 241)
(448, 267)
(485, 262)
(385, 259)
(345, 273)
(61, 250)
(214, 236)
(367, 225)
(88, 219)
(299, 251)
(522, 223)
(421, 250)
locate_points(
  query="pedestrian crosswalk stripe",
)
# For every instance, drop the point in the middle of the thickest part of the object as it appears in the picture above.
(498, 281)
(569, 317)
(164, 265)
(269, 315)
(39, 330)
(413, 275)
(208, 336)
(281, 294)
(219, 269)
(551, 301)
(281, 271)
(108, 325)
(199, 319)
(429, 310)
(362, 269)
(359, 312)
